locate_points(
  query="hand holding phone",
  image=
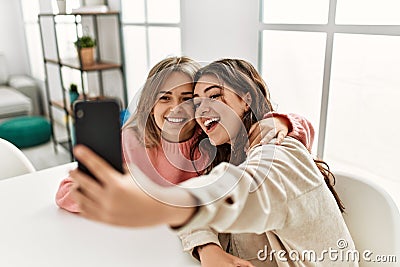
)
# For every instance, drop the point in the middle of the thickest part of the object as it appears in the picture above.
(97, 126)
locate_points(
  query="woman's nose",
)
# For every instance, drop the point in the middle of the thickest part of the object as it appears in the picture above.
(175, 106)
(203, 107)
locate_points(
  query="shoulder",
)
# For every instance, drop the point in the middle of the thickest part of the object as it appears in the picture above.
(289, 164)
(290, 149)
(130, 137)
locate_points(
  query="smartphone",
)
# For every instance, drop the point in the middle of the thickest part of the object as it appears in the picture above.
(97, 126)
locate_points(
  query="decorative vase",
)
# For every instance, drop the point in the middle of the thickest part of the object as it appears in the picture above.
(86, 56)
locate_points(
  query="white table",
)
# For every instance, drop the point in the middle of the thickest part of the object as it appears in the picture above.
(35, 232)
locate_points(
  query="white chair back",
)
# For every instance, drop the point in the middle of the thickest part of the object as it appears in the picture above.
(12, 161)
(372, 218)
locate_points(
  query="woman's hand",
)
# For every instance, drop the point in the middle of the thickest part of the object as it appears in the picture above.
(265, 130)
(116, 198)
(212, 255)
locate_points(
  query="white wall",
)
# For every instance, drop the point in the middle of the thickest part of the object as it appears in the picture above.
(12, 43)
(224, 28)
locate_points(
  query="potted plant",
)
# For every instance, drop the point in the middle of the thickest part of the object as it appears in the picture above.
(73, 93)
(85, 46)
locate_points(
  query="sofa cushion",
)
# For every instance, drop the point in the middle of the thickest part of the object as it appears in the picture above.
(3, 70)
(28, 86)
(13, 103)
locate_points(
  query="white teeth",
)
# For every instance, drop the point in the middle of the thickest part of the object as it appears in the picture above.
(209, 121)
(175, 120)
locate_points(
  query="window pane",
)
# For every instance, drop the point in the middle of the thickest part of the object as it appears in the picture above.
(132, 11)
(163, 11)
(293, 64)
(379, 12)
(30, 10)
(34, 51)
(160, 35)
(72, 4)
(66, 36)
(295, 11)
(135, 58)
(363, 106)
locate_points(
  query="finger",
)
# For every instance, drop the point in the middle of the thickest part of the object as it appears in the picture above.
(90, 211)
(125, 168)
(281, 136)
(97, 165)
(84, 203)
(243, 263)
(254, 134)
(255, 140)
(253, 128)
(268, 137)
(86, 184)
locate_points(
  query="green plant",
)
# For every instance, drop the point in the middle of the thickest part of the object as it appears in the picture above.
(85, 41)
(73, 88)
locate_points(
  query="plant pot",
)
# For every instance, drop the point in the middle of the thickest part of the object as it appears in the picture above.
(73, 96)
(87, 56)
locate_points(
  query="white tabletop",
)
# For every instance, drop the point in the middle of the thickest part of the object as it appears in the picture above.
(35, 232)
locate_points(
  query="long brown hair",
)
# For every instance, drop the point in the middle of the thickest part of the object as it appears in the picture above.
(239, 75)
(244, 78)
(330, 181)
(142, 119)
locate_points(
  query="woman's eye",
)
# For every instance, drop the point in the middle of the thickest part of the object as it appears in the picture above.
(196, 105)
(165, 98)
(215, 96)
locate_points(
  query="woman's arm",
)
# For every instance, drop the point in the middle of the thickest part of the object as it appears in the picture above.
(63, 196)
(279, 125)
(191, 240)
(299, 127)
(212, 255)
(259, 186)
(117, 199)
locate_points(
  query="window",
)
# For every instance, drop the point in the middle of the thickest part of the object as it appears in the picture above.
(30, 11)
(300, 56)
(151, 32)
(336, 62)
(295, 11)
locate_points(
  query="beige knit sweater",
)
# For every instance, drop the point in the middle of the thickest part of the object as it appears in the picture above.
(280, 194)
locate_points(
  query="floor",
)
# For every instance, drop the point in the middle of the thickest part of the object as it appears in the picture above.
(44, 156)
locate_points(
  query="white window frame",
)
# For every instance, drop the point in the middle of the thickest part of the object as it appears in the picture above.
(146, 24)
(32, 23)
(331, 28)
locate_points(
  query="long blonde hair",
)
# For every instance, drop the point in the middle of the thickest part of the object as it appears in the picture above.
(142, 119)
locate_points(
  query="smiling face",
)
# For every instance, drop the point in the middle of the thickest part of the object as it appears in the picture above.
(173, 112)
(218, 110)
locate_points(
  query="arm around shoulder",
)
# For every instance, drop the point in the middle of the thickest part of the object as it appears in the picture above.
(299, 127)
(249, 197)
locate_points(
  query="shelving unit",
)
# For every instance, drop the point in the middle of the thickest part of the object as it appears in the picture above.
(58, 98)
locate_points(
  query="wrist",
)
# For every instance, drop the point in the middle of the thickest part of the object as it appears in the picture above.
(203, 249)
(179, 217)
